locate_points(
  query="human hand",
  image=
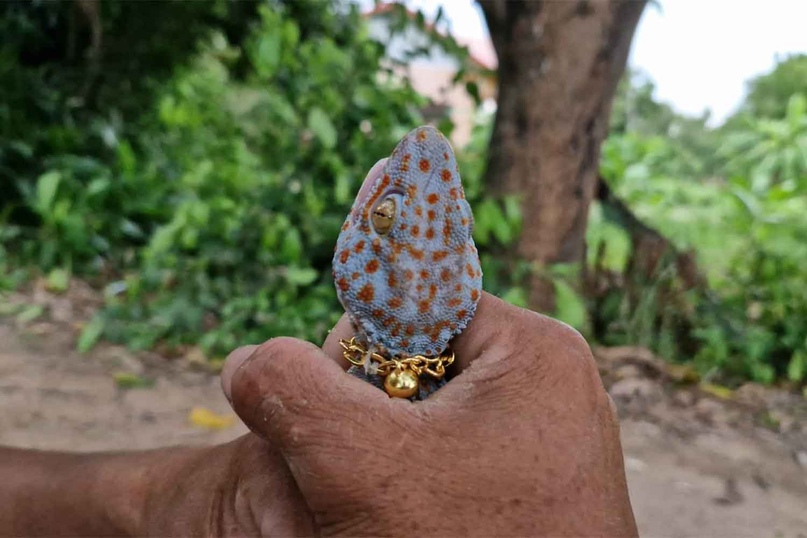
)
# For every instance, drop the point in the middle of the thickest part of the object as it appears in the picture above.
(523, 441)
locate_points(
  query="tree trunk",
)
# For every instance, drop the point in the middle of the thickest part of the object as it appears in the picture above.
(559, 65)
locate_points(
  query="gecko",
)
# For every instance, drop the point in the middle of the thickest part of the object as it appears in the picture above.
(405, 266)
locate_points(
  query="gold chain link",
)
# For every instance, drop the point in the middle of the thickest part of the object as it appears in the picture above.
(354, 353)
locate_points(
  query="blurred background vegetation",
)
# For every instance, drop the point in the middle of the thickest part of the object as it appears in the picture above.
(194, 161)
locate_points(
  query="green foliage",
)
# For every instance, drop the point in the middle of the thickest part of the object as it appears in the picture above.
(767, 154)
(684, 146)
(213, 223)
(748, 231)
(260, 176)
(768, 94)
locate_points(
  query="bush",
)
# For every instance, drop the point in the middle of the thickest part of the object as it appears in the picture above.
(215, 223)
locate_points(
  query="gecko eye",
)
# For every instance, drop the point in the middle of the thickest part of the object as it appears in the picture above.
(384, 215)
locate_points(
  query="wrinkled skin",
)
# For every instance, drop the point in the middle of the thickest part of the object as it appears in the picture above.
(523, 442)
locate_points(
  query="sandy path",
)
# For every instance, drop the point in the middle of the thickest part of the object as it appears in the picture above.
(709, 484)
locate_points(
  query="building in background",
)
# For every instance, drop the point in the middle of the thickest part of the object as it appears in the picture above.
(432, 70)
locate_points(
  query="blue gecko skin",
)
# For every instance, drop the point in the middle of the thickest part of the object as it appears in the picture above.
(410, 290)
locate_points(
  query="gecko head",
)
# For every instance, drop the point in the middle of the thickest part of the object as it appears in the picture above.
(406, 268)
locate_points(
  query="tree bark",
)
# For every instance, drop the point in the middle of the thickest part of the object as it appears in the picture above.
(559, 65)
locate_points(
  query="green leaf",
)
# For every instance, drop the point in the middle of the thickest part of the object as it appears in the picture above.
(30, 313)
(58, 281)
(46, 188)
(268, 53)
(473, 90)
(320, 124)
(301, 276)
(797, 369)
(291, 248)
(515, 296)
(569, 306)
(90, 334)
(126, 380)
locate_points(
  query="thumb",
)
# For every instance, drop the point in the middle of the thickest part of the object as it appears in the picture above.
(292, 394)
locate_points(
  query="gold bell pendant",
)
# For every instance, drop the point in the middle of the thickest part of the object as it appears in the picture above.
(401, 383)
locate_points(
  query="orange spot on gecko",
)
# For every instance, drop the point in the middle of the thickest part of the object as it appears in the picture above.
(404, 343)
(377, 246)
(445, 155)
(346, 225)
(461, 314)
(344, 255)
(422, 135)
(395, 302)
(439, 255)
(424, 305)
(415, 231)
(474, 295)
(446, 175)
(408, 275)
(433, 198)
(418, 211)
(377, 313)
(366, 293)
(412, 191)
(424, 165)
(430, 233)
(470, 270)
(453, 193)
(343, 284)
(432, 291)
(359, 246)
(432, 214)
(392, 281)
(464, 221)
(415, 253)
(454, 302)
(424, 274)
(372, 266)
(419, 288)
(396, 330)
(410, 330)
(355, 275)
(445, 274)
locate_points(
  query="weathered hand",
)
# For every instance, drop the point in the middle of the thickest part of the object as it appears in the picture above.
(524, 441)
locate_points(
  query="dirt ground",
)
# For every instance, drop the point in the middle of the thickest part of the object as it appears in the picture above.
(697, 465)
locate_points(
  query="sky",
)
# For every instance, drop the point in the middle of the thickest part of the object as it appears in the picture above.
(699, 53)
